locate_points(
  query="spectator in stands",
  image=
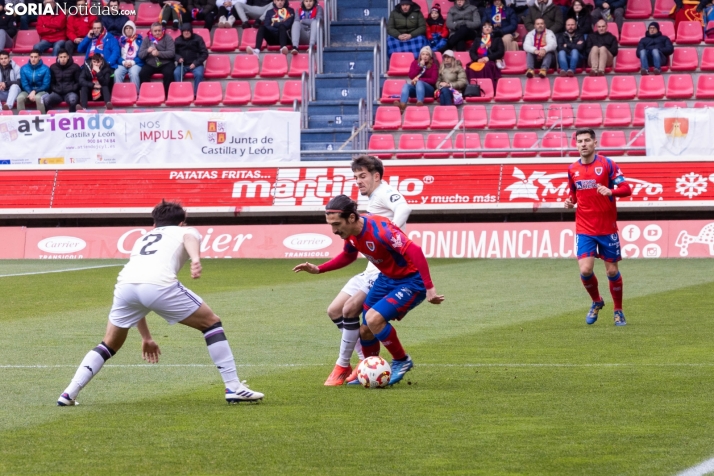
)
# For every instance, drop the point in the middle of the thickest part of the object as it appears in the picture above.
(486, 54)
(95, 82)
(601, 48)
(406, 29)
(250, 10)
(227, 13)
(64, 85)
(452, 80)
(26, 19)
(540, 45)
(201, 10)
(52, 30)
(158, 52)
(9, 81)
(571, 45)
(8, 28)
(564, 6)
(275, 28)
(551, 14)
(191, 54)
(129, 62)
(172, 14)
(423, 74)
(505, 21)
(610, 10)
(580, 12)
(654, 47)
(35, 82)
(304, 30)
(462, 21)
(115, 21)
(78, 26)
(436, 32)
(100, 41)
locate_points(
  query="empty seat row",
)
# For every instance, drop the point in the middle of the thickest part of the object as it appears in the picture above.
(469, 145)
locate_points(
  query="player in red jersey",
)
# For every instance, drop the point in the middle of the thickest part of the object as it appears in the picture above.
(595, 181)
(404, 280)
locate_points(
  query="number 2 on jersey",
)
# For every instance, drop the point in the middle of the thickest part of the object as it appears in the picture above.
(154, 238)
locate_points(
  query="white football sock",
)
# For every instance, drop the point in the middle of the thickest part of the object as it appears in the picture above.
(90, 366)
(358, 349)
(221, 354)
(350, 336)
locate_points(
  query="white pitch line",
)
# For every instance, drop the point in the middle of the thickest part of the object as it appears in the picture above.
(707, 467)
(59, 270)
(514, 365)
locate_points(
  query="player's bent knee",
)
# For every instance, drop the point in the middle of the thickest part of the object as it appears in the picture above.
(365, 333)
(352, 308)
(334, 312)
(374, 319)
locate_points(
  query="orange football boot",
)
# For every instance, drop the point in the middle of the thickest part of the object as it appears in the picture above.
(338, 376)
(353, 375)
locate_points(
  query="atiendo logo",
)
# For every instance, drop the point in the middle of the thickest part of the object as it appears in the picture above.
(21, 9)
(76, 123)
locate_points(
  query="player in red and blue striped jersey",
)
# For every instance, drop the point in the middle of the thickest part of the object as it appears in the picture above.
(595, 181)
(404, 280)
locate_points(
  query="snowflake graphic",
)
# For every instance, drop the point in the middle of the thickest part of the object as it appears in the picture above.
(690, 185)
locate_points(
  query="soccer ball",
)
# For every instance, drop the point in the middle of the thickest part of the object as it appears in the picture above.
(374, 372)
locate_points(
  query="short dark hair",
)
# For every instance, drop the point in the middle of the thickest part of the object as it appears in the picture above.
(368, 162)
(97, 57)
(36, 51)
(168, 214)
(4, 53)
(589, 132)
(343, 205)
(60, 52)
(98, 21)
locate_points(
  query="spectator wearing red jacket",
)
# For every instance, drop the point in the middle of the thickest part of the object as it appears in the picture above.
(436, 31)
(52, 29)
(78, 26)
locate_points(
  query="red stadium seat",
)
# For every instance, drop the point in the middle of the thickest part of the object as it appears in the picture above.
(173, 33)
(566, 89)
(123, 94)
(248, 38)
(594, 88)
(475, 116)
(486, 88)
(555, 140)
(560, 115)
(639, 119)
(387, 118)
(29, 112)
(515, 62)
(218, 66)
(245, 66)
(707, 38)
(632, 33)
(667, 29)
(444, 117)
(298, 65)
(223, 109)
(25, 41)
(588, 115)
(703, 104)
(225, 39)
(432, 143)
(673, 104)
(537, 90)
(464, 146)
(23, 60)
(210, 93)
(381, 142)
(522, 32)
(88, 111)
(680, 86)
(639, 141)
(266, 93)
(689, 33)
(180, 94)
(292, 91)
(147, 13)
(612, 139)
(392, 90)
(399, 64)
(651, 87)
(623, 87)
(685, 59)
(617, 114)
(128, 7)
(411, 142)
(416, 118)
(205, 34)
(151, 94)
(705, 86)
(495, 141)
(707, 59)
(503, 116)
(612, 28)
(525, 140)
(509, 90)
(638, 9)
(114, 111)
(274, 65)
(662, 8)
(627, 61)
(462, 56)
(530, 116)
(423, 5)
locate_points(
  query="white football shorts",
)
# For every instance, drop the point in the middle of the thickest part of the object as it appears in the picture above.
(133, 301)
(361, 282)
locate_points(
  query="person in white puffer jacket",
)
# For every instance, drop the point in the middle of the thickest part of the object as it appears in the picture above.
(540, 45)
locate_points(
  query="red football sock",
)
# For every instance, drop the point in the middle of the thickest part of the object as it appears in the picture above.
(370, 348)
(590, 283)
(616, 290)
(389, 338)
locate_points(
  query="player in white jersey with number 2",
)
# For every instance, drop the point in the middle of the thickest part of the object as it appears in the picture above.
(346, 308)
(148, 283)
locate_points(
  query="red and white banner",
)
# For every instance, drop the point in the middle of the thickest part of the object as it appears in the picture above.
(427, 185)
(639, 239)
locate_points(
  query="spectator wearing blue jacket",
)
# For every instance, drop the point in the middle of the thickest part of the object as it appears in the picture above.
(654, 47)
(100, 41)
(610, 10)
(35, 80)
(505, 20)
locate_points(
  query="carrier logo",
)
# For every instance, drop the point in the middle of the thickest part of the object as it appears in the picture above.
(307, 242)
(62, 244)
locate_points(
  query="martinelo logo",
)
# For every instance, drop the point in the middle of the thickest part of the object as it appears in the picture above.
(53, 9)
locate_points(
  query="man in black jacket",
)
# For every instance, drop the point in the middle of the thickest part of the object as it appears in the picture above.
(191, 54)
(95, 82)
(602, 49)
(570, 48)
(64, 85)
(8, 28)
(654, 47)
(114, 22)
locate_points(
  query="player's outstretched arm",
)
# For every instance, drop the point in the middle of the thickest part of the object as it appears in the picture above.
(193, 248)
(149, 349)
(307, 267)
(340, 261)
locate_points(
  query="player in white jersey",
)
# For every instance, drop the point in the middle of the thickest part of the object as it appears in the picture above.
(347, 306)
(148, 283)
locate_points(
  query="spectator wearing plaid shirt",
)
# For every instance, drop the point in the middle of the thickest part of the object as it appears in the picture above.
(406, 29)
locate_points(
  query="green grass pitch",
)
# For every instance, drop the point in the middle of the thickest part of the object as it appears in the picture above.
(508, 379)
